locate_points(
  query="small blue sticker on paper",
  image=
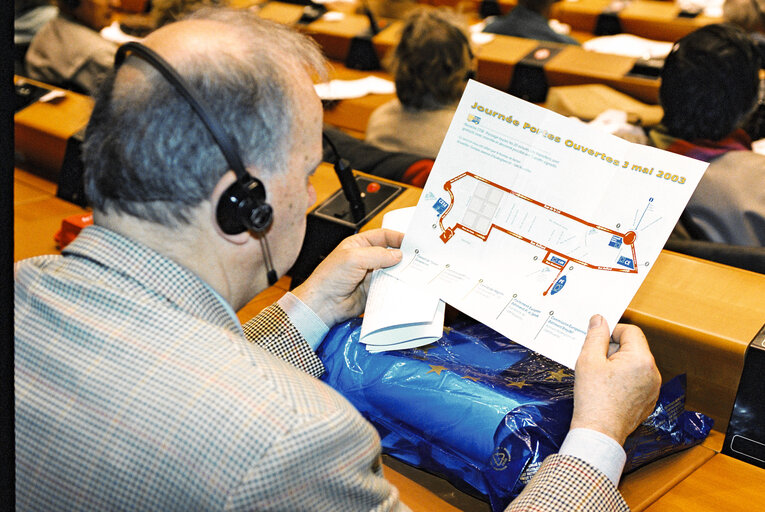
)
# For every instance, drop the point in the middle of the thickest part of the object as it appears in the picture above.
(626, 262)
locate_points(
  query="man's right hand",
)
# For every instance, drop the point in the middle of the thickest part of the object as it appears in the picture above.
(614, 394)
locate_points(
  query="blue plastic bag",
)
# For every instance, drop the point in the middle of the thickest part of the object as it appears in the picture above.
(481, 411)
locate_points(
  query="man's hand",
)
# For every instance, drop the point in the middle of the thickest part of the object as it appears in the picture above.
(337, 289)
(614, 394)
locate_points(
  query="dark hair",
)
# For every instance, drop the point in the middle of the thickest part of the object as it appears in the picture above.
(539, 6)
(431, 61)
(148, 155)
(69, 4)
(709, 82)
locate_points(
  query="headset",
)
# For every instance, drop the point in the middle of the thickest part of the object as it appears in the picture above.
(243, 205)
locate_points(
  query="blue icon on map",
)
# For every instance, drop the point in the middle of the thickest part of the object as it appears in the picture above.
(626, 262)
(557, 261)
(440, 206)
(616, 241)
(558, 286)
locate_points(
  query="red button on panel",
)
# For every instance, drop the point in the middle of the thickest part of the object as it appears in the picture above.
(373, 187)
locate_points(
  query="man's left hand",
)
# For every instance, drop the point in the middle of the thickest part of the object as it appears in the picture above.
(337, 289)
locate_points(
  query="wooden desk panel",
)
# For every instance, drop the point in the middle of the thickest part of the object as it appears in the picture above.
(37, 215)
(644, 486)
(41, 130)
(497, 59)
(414, 495)
(699, 318)
(581, 15)
(575, 65)
(659, 20)
(722, 483)
(645, 18)
(335, 36)
(287, 14)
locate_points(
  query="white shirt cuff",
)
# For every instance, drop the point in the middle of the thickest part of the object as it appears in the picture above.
(304, 319)
(597, 449)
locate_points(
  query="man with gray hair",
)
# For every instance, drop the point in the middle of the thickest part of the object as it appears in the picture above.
(136, 386)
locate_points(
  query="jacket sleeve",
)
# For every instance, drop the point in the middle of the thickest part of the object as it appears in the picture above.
(273, 331)
(567, 483)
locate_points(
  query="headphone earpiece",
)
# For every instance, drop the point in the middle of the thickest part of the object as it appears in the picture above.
(243, 206)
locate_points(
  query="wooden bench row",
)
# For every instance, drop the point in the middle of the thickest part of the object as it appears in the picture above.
(652, 19)
(497, 59)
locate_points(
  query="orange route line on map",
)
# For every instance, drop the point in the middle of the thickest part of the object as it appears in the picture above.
(449, 232)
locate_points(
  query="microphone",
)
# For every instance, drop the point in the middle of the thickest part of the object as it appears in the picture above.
(348, 183)
(374, 28)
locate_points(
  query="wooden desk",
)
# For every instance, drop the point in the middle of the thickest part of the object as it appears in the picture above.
(333, 36)
(572, 66)
(41, 130)
(699, 318)
(37, 215)
(645, 18)
(722, 483)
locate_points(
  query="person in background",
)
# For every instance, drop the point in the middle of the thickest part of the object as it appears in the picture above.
(68, 51)
(431, 66)
(136, 387)
(530, 20)
(749, 15)
(29, 16)
(709, 89)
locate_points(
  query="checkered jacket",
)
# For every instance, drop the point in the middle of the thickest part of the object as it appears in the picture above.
(136, 390)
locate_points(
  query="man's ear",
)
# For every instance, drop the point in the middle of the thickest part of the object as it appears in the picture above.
(224, 182)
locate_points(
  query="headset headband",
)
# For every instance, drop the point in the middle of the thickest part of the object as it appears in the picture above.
(226, 144)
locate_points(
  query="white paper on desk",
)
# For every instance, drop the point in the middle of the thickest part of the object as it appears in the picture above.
(398, 315)
(531, 222)
(347, 89)
(628, 45)
(115, 34)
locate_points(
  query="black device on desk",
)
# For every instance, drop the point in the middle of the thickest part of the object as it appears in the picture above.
(311, 13)
(26, 94)
(647, 68)
(341, 215)
(745, 437)
(361, 52)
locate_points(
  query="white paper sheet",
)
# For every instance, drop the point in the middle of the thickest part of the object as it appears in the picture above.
(346, 89)
(399, 315)
(628, 45)
(531, 222)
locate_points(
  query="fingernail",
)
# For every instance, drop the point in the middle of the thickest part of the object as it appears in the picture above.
(396, 253)
(595, 321)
